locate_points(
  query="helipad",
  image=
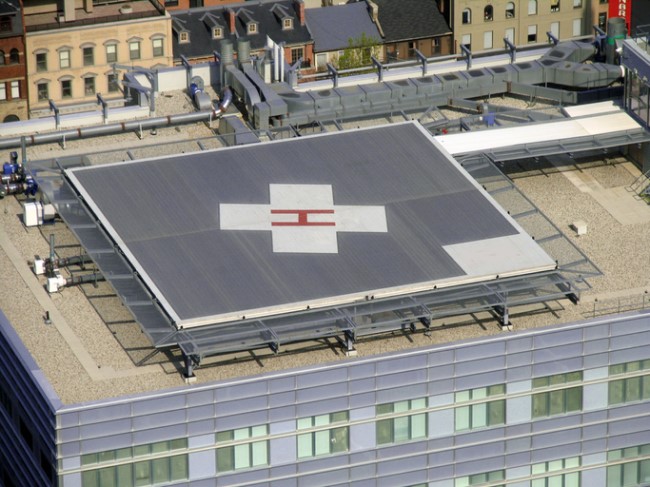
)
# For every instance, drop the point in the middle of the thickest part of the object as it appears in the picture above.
(308, 223)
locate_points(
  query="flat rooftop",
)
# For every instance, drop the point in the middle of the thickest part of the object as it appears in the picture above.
(94, 350)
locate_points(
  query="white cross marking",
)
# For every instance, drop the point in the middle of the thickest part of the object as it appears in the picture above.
(303, 218)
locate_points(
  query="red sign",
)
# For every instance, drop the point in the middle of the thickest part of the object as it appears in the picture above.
(621, 8)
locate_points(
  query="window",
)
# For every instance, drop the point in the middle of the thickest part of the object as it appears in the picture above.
(112, 83)
(5, 23)
(64, 58)
(488, 13)
(629, 473)
(184, 37)
(532, 7)
(532, 33)
(42, 89)
(171, 3)
(630, 388)
(560, 400)
(89, 86)
(252, 28)
(66, 88)
(134, 50)
(554, 475)
(3, 91)
(555, 5)
(287, 24)
(481, 479)
(466, 41)
(401, 426)
(196, 3)
(555, 29)
(577, 27)
(2, 57)
(510, 34)
(467, 16)
(217, 33)
(577, 3)
(111, 53)
(41, 61)
(510, 10)
(144, 472)
(602, 20)
(246, 451)
(487, 40)
(483, 414)
(435, 45)
(14, 57)
(158, 47)
(324, 441)
(296, 55)
(321, 60)
(89, 56)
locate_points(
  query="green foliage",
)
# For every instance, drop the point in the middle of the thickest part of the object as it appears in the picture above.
(358, 52)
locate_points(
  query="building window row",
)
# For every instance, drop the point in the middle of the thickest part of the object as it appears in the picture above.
(9, 91)
(629, 389)
(396, 422)
(560, 399)
(324, 439)
(89, 54)
(555, 473)
(251, 448)
(403, 426)
(487, 478)
(66, 87)
(633, 466)
(488, 13)
(482, 414)
(14, 57)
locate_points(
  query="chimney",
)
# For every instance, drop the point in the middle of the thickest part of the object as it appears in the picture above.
(68, 10)
(373, 8)
(300, 10)
(232, 16)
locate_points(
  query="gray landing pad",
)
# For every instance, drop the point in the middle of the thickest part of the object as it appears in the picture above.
(316, 221)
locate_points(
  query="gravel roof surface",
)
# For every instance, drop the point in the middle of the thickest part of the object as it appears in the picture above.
(113, 343)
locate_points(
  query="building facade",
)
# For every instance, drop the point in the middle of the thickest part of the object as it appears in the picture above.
(13, 88)
(70, 54)
(564, 405)
(482, 26)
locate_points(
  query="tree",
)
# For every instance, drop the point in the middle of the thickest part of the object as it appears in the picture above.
(358, 52)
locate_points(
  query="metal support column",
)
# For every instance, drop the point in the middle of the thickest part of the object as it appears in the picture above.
(57, 118)
(468, 55)
(335, 74)
(350, 351)
(380, 68)
(512, 50)
(423, 59)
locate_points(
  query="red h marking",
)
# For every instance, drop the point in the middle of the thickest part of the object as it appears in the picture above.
(303, 218)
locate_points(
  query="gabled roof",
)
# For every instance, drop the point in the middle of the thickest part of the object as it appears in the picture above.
(332, 27)
(267, 15)
(9, 7)
(403, 20)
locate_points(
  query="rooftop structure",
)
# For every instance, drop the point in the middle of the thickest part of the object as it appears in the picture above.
(457, 402)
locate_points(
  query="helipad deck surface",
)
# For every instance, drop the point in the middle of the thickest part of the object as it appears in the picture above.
(305, 223)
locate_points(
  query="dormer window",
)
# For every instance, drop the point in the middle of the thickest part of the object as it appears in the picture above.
(184, 37)
(251, 28)
(217, 33)
(287, 24)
